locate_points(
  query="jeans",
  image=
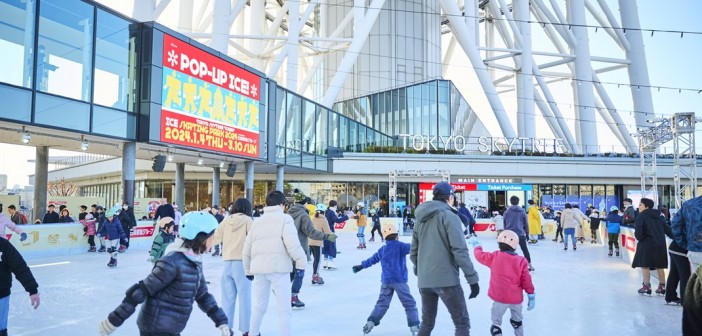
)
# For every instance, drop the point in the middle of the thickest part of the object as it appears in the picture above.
(329, 250)
(499, 309)
(569, 232)
(613, 240)
(296, 281)
(386, 293)
(455, 302)
(679, 273)
(525, 249)
(315, 253)
(261, 291)
(4, 311)
(235, 284)
(361, 236)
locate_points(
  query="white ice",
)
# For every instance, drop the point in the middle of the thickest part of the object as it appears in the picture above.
(577, 293)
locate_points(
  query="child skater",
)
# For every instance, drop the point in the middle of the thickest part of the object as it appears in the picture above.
(613, 222)
(361, 222)
(111, 229)
(392, 258)
(89, 224)
(176, 281)
(376, 225)
(499, 222)
(509, 276)
(163, 239)
(320, 224)
(559, 228)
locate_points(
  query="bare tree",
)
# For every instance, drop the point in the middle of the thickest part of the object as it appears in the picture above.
(62, 188)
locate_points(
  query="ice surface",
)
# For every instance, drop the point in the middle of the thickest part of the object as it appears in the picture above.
(577, 293)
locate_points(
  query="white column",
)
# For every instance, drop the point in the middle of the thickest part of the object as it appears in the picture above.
(585, 111)
(185, 16)
(293, 42)
(638, 69)
(257, 20)
(220, 25)
(525, 79)
(279, 178)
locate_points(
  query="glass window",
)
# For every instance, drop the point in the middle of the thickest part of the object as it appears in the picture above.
(280, 137)
(16, 103)
(64, 58)
(17, 41)
(322, 130)
(403, 111)
(308, 131)
(433, 117)
(333, 130)
(293, 130)
(60, 112)
(444, 122)
(381, 112)
(395, 112)
(343, 133)
(425, 109)
(362, 141)
(115, 63)
(417, 110)
(114, 123)
(374, 111)
(388, 113)
(410, 110)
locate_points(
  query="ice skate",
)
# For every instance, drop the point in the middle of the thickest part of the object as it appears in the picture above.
(646, 289)
(216, 252)
(368, 327)
(364, 246)
(371, 239)
(296, 303)
(317, 280)
(360, 246)
(414, 330)
(331, 266)
(565, 248)
(661, 289)
(555, 239)
(325, 265)
(593, 241)
(495, 331)
(92, 249)
(616, 252)
(122, 249)
(610, 253)
(112, 263)
(531, 268)
(673, 302)
(102, 249)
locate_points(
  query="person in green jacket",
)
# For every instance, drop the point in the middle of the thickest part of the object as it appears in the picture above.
(164, 237)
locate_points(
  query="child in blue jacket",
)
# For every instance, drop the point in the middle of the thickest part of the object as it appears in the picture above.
(613, 223)
(392, 258)
(112, 230)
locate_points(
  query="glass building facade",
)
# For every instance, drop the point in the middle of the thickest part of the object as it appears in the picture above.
(69, 65)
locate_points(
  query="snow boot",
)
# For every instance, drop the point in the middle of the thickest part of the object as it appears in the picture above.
(296, 303)
(495, 331)
(102, 249)
(112, 263)
(92, 249)
(317, 280)
(122, 249)
(646, 289)
(661, 289)
(610, 253)
(616, 252)
(368, 327)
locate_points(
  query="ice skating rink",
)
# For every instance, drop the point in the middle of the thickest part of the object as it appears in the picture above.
(577, 293)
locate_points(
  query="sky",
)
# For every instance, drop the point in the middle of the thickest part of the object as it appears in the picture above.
(672, 61)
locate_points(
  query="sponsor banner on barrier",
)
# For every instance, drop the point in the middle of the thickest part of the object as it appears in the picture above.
(143, 231)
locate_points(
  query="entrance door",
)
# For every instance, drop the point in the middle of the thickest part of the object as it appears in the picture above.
(497, 200)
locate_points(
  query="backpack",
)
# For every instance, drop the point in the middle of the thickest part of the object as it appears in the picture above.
(23, 218)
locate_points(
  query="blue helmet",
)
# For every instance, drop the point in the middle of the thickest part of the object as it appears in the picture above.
(195, 222)
(113, 211)
(321, 207)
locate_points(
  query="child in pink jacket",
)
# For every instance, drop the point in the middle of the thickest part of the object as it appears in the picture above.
(89, 228)
(509, 276)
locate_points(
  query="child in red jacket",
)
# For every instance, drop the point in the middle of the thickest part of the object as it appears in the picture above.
(509, 276)
(89, 229)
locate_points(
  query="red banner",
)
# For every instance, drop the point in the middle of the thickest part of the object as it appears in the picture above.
(183, 57)
(191, 131)
(142, 232)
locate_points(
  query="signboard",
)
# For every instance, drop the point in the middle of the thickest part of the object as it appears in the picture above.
(208, 103)
(485, 144)
(144, 206)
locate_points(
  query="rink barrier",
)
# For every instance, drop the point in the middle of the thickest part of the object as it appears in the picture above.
(45, 240)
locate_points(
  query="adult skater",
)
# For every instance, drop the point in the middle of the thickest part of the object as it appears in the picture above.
(438, 251)
(305, 229)
(629, 213)
(6, 222)
(268, 249)
(650, 248)
(679, 270)
(174, 284)
(128, 221)
(569, 221)
(329, 248)
(11, 262)
(516, 221)
(232, 232)
(534, 219)
(687, 227)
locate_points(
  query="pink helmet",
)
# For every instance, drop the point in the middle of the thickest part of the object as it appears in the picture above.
(508, 237)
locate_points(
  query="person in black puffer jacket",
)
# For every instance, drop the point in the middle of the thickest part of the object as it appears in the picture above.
(175, 282)
(679, 270)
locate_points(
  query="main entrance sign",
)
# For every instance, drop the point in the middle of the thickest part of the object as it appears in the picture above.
(208, 103)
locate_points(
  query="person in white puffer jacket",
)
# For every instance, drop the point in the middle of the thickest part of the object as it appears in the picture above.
(268, 249)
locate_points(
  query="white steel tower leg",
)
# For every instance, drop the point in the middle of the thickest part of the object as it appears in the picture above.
(583, 78)
(470, 47)
(525, 81)
(185, 16)
(220, 25)
(293, 44)
(257, 20)
(638, 70)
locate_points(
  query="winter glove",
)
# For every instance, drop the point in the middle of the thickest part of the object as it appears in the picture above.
(474, 290)
(473, 241)
(331, 237)
(357, 268)
(532, 301)
(99, 236)
(23, 236)
(250, 277)
(225, 330)
(106, 328)
(299, 273)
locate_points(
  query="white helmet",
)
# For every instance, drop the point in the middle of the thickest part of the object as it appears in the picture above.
(389, 229)
(361, 204)
(509, 237)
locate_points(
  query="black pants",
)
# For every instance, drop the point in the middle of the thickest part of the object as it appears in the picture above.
(679, 273)
(315, 254)
(91, 240)
(127, 234)
(559, 231)
(471, 228)
(455, 303)
(376, 228)
(613, 240)
(525, 249)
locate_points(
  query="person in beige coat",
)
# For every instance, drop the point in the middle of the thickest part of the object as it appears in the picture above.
(232, 232)
(268, 249)
(569, 221)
